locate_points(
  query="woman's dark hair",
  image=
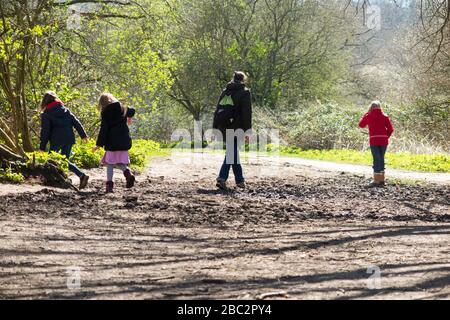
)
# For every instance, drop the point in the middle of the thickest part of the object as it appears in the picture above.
(240, 77)
(48, 98)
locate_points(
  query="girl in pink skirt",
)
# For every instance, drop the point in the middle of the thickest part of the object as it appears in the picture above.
(114, 137)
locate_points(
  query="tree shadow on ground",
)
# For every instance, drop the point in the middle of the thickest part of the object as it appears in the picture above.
(195, 284)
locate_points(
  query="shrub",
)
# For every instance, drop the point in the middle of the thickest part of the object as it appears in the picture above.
(330, 126)
(42, 157)
(84, 157)
(8, 176)
(141, 152)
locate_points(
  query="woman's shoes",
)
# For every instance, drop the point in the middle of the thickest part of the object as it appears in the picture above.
(221, 185)
(131, 179)
(241, 185)
(84, 179)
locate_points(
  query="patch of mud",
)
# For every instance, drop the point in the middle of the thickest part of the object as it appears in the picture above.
(265, 202)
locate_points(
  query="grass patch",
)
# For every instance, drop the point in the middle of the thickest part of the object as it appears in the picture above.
(404, 160)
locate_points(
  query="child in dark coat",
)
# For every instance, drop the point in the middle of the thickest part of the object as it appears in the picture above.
(57, 124)
(115, 137)
(380, 130)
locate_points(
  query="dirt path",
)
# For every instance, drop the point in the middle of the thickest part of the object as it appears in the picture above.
(297, 232)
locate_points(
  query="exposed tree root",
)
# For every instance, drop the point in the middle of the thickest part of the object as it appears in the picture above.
(49, 173)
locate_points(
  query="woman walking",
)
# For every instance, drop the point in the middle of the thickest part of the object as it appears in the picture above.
(233, 118)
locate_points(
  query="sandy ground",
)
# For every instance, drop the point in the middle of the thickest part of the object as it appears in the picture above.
(302, 230)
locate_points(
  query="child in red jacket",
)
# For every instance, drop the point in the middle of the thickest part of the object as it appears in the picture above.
(380, 130)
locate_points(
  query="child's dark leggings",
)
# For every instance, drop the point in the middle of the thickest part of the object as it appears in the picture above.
(378, 153)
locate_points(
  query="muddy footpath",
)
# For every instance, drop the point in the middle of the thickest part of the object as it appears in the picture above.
(296, 232)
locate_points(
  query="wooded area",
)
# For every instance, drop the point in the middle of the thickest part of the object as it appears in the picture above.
(171, 58)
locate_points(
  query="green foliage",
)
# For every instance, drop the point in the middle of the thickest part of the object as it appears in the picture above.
(403, 160)
(142, 151)
(8, 176)
(42, 157)
(128, 56)
(332, 126)
(324, 126)
(84, 157)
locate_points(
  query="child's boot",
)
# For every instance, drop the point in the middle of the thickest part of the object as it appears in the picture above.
(109, 187)
(130, 178)
(84, 179)
(376, 181)
(382, 179)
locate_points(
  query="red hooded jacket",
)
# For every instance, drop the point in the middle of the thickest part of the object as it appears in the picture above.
(380, 127)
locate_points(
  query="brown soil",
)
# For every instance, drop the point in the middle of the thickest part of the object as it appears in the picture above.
(297, 232)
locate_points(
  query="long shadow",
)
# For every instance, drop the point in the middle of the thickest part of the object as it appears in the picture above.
(168, 238)
(385, 234)
(438, 282)
(286, 283)
(348, 275)
(234, 253)
(299, 245)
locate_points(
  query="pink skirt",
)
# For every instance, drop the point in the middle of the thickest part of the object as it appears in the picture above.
(115, 157)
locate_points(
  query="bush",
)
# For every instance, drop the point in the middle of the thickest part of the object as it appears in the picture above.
(8, 176)
(324, 127)
(42, 157)
(418, 129)
(84, 157)
(142, 151)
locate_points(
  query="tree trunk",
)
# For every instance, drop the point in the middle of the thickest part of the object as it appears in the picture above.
(22, 125)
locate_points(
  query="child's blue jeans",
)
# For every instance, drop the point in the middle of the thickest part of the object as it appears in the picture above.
(66, 150)
(232, 160)
(378, 153)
